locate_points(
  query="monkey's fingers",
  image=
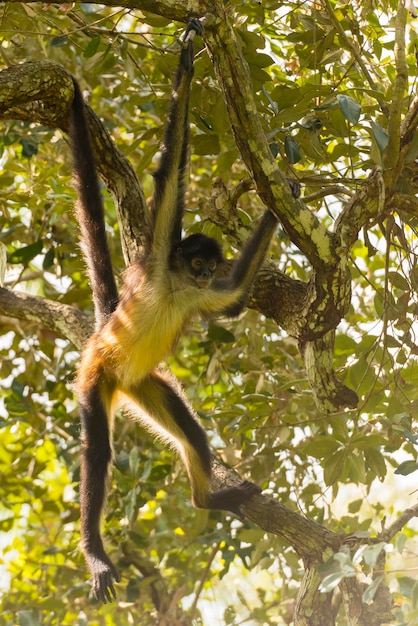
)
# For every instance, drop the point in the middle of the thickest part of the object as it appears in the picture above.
(194, 27)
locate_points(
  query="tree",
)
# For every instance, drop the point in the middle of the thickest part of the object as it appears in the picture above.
(321, 93)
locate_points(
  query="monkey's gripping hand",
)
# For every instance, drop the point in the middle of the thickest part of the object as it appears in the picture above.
(194, 26)
(186, 58)
(102, 573)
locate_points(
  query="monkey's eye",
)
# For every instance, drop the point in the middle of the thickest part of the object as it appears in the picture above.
(197, 263)
(212, 266)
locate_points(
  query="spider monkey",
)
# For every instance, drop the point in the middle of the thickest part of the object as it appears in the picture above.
(175, 280)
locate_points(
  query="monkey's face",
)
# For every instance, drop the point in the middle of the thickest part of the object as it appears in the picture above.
(196, 259)
(203, 270)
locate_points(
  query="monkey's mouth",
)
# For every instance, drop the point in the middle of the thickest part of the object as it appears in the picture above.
(202, 282)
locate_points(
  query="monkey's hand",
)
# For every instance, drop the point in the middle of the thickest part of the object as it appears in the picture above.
(194, 26)
(231, 498)
(102, 573)
(186, 57)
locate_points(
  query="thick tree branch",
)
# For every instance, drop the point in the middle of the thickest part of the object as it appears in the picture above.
(233, 74)
(179, 10)
(391, 161)
(64, 320)
(388, 533)
(309, 539)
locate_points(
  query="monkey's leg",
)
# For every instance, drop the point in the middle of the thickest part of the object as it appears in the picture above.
(172, 420)
(96, 457)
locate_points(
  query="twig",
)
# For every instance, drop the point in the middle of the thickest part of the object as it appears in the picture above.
(388, 533)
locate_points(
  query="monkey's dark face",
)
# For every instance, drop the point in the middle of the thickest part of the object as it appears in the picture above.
(202, 270)
(197, 257)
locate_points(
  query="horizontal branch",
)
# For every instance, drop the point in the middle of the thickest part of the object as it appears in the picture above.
(62, 319)
(170, 9)
(309, 539)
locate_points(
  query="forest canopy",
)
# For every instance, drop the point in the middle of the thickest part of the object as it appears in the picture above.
(312, 393)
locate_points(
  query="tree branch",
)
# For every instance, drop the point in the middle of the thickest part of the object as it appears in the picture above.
(178, 10)
(233, 74)
(388, 533)
(62, 319)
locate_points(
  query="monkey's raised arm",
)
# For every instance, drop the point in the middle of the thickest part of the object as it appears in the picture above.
(90, 214)
(244, 271)
(168, 200)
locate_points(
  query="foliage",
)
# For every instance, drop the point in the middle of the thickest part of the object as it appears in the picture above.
(322, 73)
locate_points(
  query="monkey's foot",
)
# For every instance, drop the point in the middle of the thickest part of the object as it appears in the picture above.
(102, 573)
(231, 498)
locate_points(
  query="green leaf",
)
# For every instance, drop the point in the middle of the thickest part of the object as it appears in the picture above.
(49, 259)
(379, 305)
(29, 146)
(380, 135)
(27, 253)
(407, 467)
(334, 467)
(321, 447)
(206, 144)
(92, 47)
(370, 592)
(274, 148)
(291, 149)
(355, 506)
(330, 582)
(368, 441)
(344, 344)
(28, 618)
(410, 436)
(354, 468)
(399, 281)
(371, 553)
(134, 460)
(261, 59)
(376, 462)
(350, 108)
(57, 42)
(221, 334)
